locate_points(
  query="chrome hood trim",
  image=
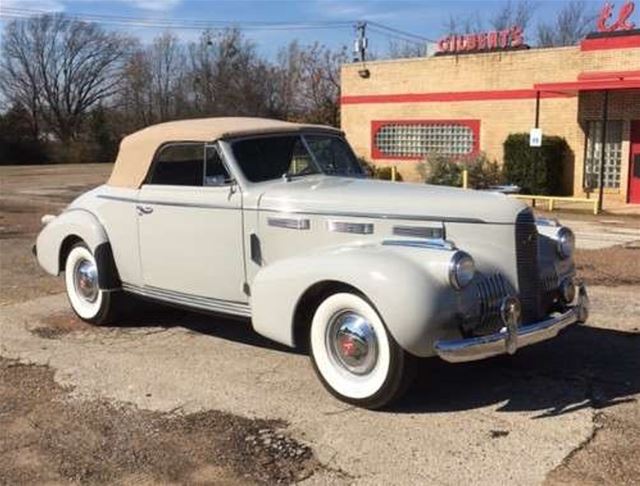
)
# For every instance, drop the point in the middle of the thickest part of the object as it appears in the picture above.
(365, 198)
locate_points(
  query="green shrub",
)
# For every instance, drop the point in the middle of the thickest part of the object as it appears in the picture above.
(537, 170)
(446, 170)
(378, 172)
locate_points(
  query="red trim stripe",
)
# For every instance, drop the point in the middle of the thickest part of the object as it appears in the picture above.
(595, 75)
(513, 94)
(603, 43)
(597, 85)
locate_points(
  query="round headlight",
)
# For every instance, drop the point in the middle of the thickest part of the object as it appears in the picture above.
(568, 290)
(566, 242)
(461, 270)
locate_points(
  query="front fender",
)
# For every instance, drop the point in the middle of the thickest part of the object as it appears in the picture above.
(408, 286)
(74, 222)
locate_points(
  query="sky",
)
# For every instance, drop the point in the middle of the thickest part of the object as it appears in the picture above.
(425, 18)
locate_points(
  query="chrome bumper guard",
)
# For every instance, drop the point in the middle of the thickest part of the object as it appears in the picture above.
(509, 339)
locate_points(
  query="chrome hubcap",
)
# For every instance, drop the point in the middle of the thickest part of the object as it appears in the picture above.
(352, 342)
(85, 278)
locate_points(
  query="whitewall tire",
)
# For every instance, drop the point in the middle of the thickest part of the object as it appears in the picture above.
(354, 355)
(87, 300)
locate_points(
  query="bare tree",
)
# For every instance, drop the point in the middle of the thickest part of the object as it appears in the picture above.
(167, 61)
(513, 13)
(227, 76)
(73, 66)
(19, 79)
(405, 50)
(309, 83)
(134, 97)
(573, 22)
(464, 24)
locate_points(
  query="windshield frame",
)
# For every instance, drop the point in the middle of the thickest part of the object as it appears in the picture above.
(228, 153)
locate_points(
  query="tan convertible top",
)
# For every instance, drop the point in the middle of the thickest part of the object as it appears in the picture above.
(137, 150)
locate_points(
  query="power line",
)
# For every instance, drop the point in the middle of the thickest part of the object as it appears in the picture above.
(396, 37)
(194, 24)
(400, 32)
(10, 12)
(202, 25)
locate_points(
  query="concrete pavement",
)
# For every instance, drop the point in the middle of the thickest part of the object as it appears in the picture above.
(504, 420)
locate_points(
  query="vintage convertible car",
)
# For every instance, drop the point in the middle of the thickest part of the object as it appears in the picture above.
(277, 222)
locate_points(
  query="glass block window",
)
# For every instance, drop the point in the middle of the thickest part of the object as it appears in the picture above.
(612, 154)
(419, 138)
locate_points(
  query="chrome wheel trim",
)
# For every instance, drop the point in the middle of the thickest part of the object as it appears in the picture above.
(85, 280)
(352, 342)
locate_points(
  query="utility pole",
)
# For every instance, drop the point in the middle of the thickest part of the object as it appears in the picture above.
(360, 47)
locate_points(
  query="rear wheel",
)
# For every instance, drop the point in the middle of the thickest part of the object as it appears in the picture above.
(354, 355)
(88, 301)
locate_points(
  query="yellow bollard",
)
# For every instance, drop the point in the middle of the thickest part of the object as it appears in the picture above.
(394, 173)
(465, 179)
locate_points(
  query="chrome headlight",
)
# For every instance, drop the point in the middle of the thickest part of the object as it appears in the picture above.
(568, 290)
(462, 268)
(566, 242)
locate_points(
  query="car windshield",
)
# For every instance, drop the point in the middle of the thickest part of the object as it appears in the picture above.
(267, 158)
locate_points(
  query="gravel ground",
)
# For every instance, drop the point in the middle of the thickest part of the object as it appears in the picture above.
(136, 403)
(617, 265)
(55, 438)
(50, 437)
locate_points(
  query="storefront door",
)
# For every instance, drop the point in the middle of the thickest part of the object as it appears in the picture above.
(634, 164)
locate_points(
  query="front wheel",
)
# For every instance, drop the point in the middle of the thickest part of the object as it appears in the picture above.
(353, 354)
(87, 300)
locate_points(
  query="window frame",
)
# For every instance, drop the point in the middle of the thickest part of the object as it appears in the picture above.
(226, 148)
(588, 123)
(216, 146)
(377, 125)
(205, 145)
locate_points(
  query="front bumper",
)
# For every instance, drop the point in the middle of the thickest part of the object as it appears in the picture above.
(508, 340)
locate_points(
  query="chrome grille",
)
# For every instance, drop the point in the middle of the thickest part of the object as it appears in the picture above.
(529, 283)
(491, 291)
(549, 281)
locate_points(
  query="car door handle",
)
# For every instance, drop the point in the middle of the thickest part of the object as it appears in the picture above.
(142, 210)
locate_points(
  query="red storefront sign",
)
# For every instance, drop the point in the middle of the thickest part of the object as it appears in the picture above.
(622, 22)
(511, 38)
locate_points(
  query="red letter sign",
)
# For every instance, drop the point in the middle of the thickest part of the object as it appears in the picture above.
(623, 17)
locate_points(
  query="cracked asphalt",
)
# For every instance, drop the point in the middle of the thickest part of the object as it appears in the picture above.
(562, 412)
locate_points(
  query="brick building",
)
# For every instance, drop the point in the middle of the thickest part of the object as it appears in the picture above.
(395, 111)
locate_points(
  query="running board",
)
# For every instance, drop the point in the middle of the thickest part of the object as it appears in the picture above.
(188, 300)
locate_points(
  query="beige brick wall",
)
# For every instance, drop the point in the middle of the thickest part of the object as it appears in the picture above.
(488, 72)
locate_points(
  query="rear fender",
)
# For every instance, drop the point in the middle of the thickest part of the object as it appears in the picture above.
(73, 224)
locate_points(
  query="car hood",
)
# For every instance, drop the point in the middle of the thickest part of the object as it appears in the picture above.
(384, 199)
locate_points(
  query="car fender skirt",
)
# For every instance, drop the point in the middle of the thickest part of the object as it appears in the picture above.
(410, 296)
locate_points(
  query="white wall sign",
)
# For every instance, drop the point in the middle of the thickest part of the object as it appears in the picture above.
(535, 137)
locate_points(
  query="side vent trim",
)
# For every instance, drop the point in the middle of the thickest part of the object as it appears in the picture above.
(347, 227)
(428, 232)
(290, 223)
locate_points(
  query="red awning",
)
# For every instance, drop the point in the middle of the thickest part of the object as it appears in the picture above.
(594, 81)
